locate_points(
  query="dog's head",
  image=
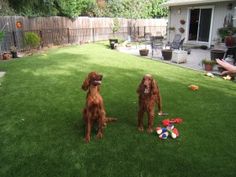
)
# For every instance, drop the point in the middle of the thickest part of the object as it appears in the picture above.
(148, 85)
(93, 79)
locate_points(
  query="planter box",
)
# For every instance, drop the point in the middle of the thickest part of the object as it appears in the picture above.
(166, 54)
(143, 52)
(179, 56)
(113, 43)
(216, 53)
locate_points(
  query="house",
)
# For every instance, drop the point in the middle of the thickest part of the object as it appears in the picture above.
(199, 20)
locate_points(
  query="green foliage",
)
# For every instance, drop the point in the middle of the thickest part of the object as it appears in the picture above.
(1, 36)
(68, 8)
(5, 9)
(73, 8)
(156, 10)
(226, 31)
(208, 61)
(133, 9)
(115, 26)
(31, 39)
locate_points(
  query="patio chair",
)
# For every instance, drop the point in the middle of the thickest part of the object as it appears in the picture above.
(177, 42)
(156, 43)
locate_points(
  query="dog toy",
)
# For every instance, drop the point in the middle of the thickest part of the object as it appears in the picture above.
(228, 77)
(165, 132)
(167, 122)
(209, 74)
(193, 87)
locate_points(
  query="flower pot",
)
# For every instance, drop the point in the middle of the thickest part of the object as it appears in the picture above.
(6, 56)
(208, 67)
(143, 52)
(113, 43)
(14, 54)
(229, 41)
(166, 54)
(215, 53)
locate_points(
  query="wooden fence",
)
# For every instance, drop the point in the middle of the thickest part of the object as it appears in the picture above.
(61, 30)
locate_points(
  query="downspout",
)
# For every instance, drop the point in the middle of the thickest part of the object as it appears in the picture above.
(169, 22)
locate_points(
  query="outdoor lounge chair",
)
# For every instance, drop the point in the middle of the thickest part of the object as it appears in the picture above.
(177, 42)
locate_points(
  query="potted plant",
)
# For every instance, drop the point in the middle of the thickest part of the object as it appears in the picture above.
(182, 21)
(226, 31)
(115, 27)
(145, 51)
(181, 29)
(166, 54)
(13, 51)
(171, 28)
(208, 64)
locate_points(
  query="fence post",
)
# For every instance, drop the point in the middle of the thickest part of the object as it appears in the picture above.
(144, 30)
(138, 30)
(68, 35)
(14, 38)
(93, 35)
(41, 36)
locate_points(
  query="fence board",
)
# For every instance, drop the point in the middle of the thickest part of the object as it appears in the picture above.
(62, 30)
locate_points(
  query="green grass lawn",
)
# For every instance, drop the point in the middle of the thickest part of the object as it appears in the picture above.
(41, 126)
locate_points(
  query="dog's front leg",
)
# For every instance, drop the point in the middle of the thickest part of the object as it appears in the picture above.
(140, 119)
(150, 121)
(88, 130)
(101, 122)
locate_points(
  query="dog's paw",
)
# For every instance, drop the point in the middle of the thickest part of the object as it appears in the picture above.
(140, 129)
(99, 135)
(149, 130)
(87, 139)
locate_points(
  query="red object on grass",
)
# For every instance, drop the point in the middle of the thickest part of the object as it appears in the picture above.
(177, 120)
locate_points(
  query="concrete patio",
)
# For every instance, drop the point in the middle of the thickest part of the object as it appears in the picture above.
(194, 59)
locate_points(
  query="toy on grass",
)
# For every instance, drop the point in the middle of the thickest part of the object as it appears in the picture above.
(209, 74)
(167, 122)
(165, 132)
(164, 135)
(193, 87)
(228, 77)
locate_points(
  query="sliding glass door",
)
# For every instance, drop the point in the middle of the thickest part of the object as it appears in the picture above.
(200, 24)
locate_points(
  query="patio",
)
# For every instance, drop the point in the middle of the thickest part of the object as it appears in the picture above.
(194, 59)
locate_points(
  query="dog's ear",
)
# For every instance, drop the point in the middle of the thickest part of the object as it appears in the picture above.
(154, 87)
(139, 89)
(85, 84)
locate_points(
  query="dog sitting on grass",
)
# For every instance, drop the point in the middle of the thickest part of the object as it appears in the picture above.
(94, 111)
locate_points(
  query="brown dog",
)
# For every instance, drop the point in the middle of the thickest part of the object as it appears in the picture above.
(149, 95)
(94, 109)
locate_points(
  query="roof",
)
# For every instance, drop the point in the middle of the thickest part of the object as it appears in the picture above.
(190, 2)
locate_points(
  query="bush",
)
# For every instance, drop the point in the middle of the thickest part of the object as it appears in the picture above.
(1, 36)
(31, 39)
(226, 31)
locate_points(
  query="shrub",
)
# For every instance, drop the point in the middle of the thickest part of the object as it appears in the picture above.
(31, 39)
(1, 36)
(226, 31)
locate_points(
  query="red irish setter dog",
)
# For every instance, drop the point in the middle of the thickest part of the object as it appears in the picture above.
(149, 95)
(94, 109)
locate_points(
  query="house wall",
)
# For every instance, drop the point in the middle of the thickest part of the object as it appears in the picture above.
(181, 12)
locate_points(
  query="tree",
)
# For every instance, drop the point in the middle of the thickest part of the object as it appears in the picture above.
(156, 10)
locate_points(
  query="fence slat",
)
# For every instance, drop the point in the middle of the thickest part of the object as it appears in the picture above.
(62, 30)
